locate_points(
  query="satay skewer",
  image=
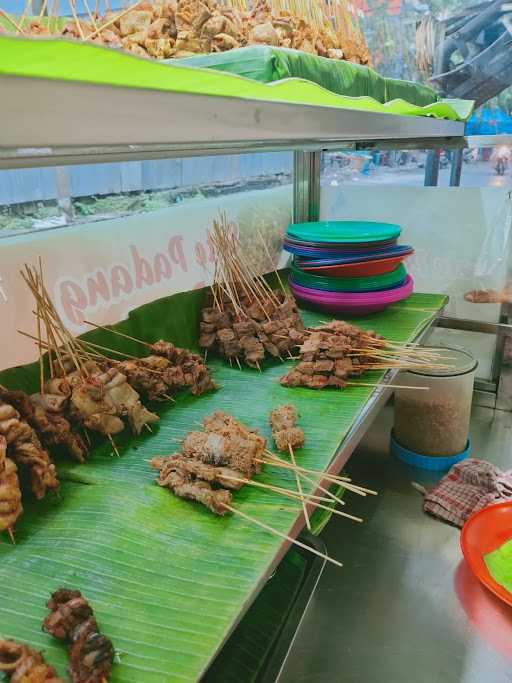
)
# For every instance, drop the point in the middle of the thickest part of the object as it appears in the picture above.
(113, 444)
(119, 334)
(299, 487)
(260, 235)
(14, 23)
(72, 6)
(275, 532)
(274, 489)
(385, 386)
(335, 498)
(308, 498)
(344, 481)
(91, 15)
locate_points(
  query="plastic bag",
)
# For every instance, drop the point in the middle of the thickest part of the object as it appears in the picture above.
(493, 276)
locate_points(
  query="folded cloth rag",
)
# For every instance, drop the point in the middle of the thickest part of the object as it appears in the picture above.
(468, 487)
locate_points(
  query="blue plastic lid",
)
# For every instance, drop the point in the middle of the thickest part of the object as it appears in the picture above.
(344, 231)
(427, 462)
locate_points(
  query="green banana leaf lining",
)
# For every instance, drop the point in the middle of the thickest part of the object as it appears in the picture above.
(167, 578)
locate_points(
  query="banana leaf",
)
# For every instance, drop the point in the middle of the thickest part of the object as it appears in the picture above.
(168, 579)
(63, 60)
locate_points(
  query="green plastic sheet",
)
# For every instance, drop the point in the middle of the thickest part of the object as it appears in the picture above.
(82, 62)
(499, 564)
(167, 578)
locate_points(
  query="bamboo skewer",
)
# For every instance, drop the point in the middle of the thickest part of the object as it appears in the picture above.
(335, 498)
(271, 261)
(384, 386)
(91, 15)
(275, 532)
(114, 19)
(14, 23)
(274, 489)
(72, 5)
(43, 9)
(309, 498)
(343, 481)
(112, 443)
(299, 487)
(119, 334)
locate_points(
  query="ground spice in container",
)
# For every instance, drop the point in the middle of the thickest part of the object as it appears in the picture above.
(436, 426)
(435, 422)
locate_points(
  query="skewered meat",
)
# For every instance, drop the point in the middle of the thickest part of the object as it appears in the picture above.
(225, 454)
(55, 430)
(134, 21)
(168, 370)
(286, 434)
(21, 664)
(44, 413)
(272, 326)
(225, 476)
(126, 400)
(31, 456)
(226, 442)
(264, 34)
(186, 27)
(10, 494)
(72, 619)
(184, 485)
(27, 452)
(329, 356)
(58, 386)
(91, 406)
(143, 380)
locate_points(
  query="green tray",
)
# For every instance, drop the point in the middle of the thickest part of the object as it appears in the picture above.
(349, 284)
(344, 232)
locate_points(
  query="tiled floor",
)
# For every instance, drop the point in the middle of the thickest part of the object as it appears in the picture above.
(404, 608)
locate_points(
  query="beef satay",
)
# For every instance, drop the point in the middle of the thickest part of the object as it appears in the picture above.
(27, 451)
(286, 434)
(71, 618)
(10, 493)
(225, 476)
(44, 413)
(184, 485)
(91, 407)
(126, 400)
(21, 664)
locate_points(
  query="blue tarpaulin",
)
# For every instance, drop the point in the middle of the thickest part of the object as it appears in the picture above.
(489, 121)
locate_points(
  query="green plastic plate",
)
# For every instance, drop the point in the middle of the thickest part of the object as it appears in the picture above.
(347, 232)
(349, 284)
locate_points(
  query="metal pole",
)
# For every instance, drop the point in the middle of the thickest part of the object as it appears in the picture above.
(456, 169)
(432, 168)
(306, 186)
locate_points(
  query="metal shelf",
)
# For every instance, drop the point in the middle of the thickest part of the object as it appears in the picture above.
(57, 122)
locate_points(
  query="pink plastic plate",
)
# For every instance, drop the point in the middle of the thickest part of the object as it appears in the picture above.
(353, 303)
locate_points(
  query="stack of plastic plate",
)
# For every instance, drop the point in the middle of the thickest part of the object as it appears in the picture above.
(348, 266)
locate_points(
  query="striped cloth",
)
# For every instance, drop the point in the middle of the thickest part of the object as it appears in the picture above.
(468, 487)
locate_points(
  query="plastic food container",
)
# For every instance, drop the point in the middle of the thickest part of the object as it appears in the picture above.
(436, 422)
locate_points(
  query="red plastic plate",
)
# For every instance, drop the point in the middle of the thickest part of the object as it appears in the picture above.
(362, 269)
(485, 531)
